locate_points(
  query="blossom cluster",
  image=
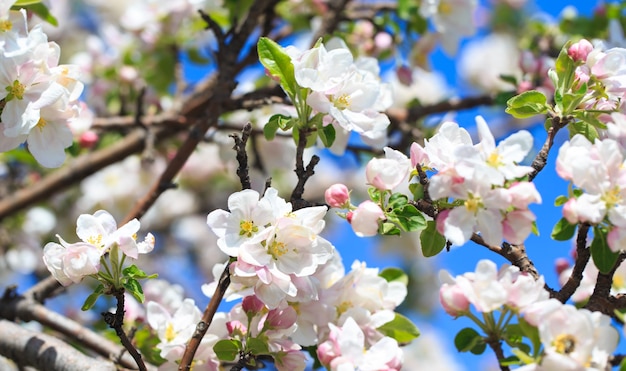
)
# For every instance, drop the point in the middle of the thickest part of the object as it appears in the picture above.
(287, 273)
(484, 180)
(71, 262)
(571, 338)
(597, 170)
(603, 72)
(349, 92)
(39, 95)
(489, 289)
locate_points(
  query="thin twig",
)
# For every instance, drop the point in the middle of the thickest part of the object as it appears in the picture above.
(242, 155)
(207, 318)
(582, 259)
(116, 321)
(303, 173)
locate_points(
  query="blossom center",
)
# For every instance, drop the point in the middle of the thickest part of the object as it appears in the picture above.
(247, 228)
(41, 124)
(494, 159)
(95, 240)
(444, 8)
(612, 197)
(342, 101)
(472, 204)
(343, 307)
(564, 343)
(15, 90)
(277, 249)
(170, 334)
(5, 25)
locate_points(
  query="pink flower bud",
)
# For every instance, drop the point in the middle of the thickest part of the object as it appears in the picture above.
(405, 75)
(337, 195)
(561, 265)
(252, 305)
(365, 218)
(88, 139)
(453, 299)
(580, 50)
(281, 318)
(236, 328)
(383, 41)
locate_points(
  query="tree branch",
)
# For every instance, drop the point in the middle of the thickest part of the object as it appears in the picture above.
(44, 352)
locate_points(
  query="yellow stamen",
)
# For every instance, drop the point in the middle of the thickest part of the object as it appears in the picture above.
(564, 344)
(247, 228)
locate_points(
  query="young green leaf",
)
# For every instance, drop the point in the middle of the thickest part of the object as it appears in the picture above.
(394, 275)
(601, 253)
(467, 339)
(527, 104)
(278, 63)
(91, 299)
(227, 350)
(563, 230)
(431, 240)
(134, 288)
(409, 218)
(401, 329)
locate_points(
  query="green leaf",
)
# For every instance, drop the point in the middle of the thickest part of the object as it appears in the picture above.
(560, 200)
(527, 104)
(417, 190)
(394, 275)
(563, 230)
(622, 366)
(397, 200)
(564, 67)
(409, 218)
(389, 229)
(570, 102)
(374, 193)
(21, 3)
(276, 122)
(278, 63)
(327, 134)
(401, 329)
(134, 288)
(467, 340)
(257, 346)
(581, 127)
(431, 240)
(91, 299)
(601, 254)
(227, 350)
(134, 272)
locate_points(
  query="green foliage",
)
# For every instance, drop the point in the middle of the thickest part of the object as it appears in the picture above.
(92, 298)
(394, 275)
(326, 133)
(560, 200)
(527, 104)
(227, 350)
(401, 329)
(37, 7)
(563, 230)
(601, 253)
(408, 218)
(257, 346)
(147, 344)
(276, 122)
(431, 240)
(278, 63)
(469, 340)
(134, 288)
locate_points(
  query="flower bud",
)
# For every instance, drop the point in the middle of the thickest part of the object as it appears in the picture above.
(580, 50)
(337, 195)
(453, 299)
(365, 218)
(252, 305)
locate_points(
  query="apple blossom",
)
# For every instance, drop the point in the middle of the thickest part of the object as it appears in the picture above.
(389, 172)
(337, 195)
(365, 219)
(70, 263)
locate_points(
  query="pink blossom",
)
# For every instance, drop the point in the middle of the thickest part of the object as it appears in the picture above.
(580, 50)
(389, 172)
(365, 219)
(337, 195)
(453, 299)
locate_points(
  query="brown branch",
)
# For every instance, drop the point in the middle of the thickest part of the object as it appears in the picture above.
(455, 104)
(242, 156)
(207, 318)
(601, 299)
(303, 173)
(541, 159)
(515, 254)
(116, 322)
(582, 259)
(26, 308)
(496, 346)
(44, 352)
